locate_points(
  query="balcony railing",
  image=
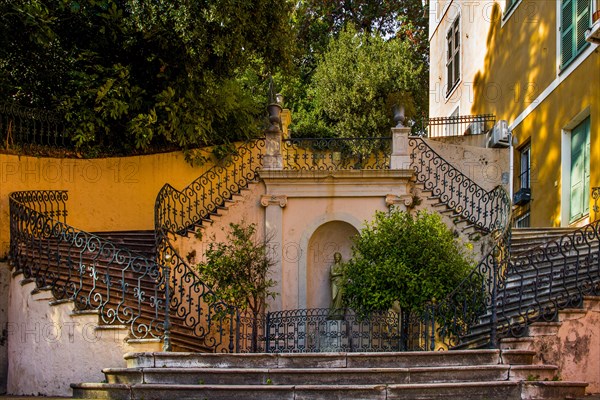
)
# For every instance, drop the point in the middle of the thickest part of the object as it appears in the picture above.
(459, 125)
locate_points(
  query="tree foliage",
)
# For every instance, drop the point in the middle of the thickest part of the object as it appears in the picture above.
(238, 269)
(356, 84)
(139, 73)
(406, 260)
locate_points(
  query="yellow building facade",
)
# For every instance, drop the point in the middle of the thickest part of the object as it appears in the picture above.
(535, 64)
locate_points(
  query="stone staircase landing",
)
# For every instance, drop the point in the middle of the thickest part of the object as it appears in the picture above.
(465, 375)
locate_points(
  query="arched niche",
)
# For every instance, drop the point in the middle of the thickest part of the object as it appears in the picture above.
(327, 239)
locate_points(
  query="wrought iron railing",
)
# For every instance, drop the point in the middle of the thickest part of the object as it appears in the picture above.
(202, 317)
(485, 210)
(336, 153)
(124, 286)
(326, 330)
(459, 125)
(468, 316)
(178, 211)
(25, 126)
(548, 278)
(457, 319)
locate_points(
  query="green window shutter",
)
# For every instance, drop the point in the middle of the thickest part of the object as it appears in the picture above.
(580, 170)
(566, 32)
(583, 23)
(586, 168)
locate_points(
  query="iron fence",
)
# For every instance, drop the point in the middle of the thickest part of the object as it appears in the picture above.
(27, 126)
(328, 330)
(459, 125)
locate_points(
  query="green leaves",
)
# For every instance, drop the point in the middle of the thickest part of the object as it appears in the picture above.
(404, 259)
(131, 74)
(238, 270)
(357, 82)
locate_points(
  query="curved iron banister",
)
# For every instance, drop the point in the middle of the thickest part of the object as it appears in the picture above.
(484, 209)
(549, 277)
(457, 319)
(202, 315)
(124, 286)
(178, 211)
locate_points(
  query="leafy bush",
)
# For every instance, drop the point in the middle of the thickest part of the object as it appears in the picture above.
(238, 270)
(403, 259)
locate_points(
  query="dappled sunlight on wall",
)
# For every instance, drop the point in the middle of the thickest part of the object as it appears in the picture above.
(519, 62)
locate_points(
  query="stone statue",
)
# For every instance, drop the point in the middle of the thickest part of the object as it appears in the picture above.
(336, 278)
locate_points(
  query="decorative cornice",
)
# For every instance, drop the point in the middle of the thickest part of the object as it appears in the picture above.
(267, 200)
(392, 200)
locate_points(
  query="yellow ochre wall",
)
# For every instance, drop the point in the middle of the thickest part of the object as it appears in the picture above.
(104, 194)
(508, 60)
(521, 62)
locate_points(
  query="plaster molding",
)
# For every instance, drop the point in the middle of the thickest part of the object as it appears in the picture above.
(393, 199)
(319, 184)
(271, 199)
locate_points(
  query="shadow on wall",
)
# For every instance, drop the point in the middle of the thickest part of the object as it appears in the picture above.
(520, 62)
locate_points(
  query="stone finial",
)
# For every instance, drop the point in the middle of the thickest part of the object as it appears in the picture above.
(399, 116)
(274, 111)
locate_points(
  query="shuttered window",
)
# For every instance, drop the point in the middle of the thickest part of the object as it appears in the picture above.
(575, 20)
(453, 55)
(580, 170)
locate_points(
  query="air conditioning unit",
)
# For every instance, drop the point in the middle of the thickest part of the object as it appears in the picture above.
(500, 135)
(592, 35)
(523, 196)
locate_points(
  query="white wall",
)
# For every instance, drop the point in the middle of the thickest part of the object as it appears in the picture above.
(48, 348)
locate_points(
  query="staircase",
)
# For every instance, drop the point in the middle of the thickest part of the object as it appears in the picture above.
(550, 269)
(465, 375)
(108, 272)
(526, 239)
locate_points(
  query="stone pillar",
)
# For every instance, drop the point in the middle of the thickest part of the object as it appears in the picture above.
(400, 149)
(273, 159)
(274, 205)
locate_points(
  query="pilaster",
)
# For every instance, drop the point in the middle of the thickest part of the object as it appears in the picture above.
(274, 205)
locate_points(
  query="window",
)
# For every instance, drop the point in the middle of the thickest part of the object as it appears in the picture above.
(575, 20)
(509, 5)
(453, 57)
(580, 171)
(525, 169)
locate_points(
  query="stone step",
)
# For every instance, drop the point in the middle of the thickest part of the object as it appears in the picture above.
(503, 390)
(315, 360)
(325, 376)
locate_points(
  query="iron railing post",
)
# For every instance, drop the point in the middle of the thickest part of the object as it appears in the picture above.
(167, 322)
(494, 321)
(268, 333)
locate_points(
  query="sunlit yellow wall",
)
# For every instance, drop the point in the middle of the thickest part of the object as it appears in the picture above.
(520, 59)
(104, 194)
(544, 129)
(505, 73)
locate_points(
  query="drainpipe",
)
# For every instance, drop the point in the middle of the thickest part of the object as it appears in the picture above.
(511, 165)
